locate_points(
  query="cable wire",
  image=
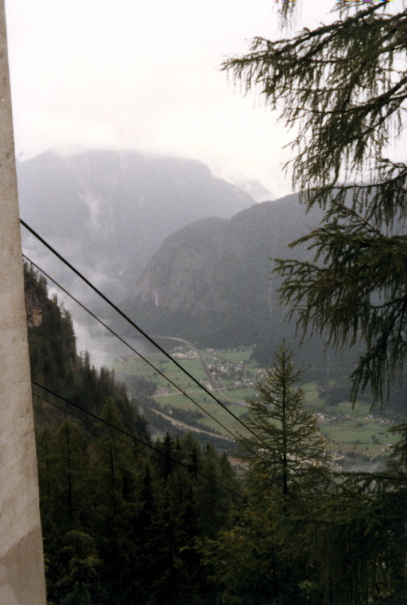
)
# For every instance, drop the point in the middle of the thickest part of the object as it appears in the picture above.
(180, 389)
(134, 325)
(123, 432)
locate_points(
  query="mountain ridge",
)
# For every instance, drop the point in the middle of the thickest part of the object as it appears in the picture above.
(112, 210)
(211, 282)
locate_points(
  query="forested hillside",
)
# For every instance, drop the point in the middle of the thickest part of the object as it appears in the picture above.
(121, 515)
(56, 364)
(128, 521)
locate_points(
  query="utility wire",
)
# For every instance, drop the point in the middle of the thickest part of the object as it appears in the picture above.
(140, 330)
(180, 389)
(123, 432)
(78, 417)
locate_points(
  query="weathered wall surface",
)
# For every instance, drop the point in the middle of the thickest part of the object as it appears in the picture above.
(21, 555)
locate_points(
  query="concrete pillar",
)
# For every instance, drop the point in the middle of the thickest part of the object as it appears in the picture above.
(21, 553)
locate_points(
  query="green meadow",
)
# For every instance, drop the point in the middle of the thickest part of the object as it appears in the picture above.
(348, 428)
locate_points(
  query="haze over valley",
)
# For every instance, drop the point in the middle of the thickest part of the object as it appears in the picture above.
(186, 254)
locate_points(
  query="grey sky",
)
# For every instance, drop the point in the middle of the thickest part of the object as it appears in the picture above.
(143, 76)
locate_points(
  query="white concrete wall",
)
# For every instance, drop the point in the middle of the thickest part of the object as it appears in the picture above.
(21, 555)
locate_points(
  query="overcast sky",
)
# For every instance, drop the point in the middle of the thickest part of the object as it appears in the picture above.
(144, 76)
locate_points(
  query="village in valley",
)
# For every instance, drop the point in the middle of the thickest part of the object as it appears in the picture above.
(353, 432)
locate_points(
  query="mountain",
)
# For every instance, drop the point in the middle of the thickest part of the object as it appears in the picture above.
(210, 281)
(110, 211)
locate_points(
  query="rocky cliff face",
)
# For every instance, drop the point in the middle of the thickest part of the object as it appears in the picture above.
(211, 281)
(34, 311)
(183, 272)
(35, 294)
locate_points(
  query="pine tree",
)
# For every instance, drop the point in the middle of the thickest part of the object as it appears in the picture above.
(112, 518)
(63, 463)
(81, 581)
(344, 87)
(290, 452)
(287, 476)
(215, 505)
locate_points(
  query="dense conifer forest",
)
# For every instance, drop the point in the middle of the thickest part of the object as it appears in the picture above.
(128, 520)
(121, 516)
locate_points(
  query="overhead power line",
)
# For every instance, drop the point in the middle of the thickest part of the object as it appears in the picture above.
(123, 432)
(140, 330)
(145, 359)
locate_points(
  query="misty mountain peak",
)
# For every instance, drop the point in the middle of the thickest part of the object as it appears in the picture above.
(114, 209)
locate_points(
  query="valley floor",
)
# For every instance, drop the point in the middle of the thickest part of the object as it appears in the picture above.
(232, 374)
